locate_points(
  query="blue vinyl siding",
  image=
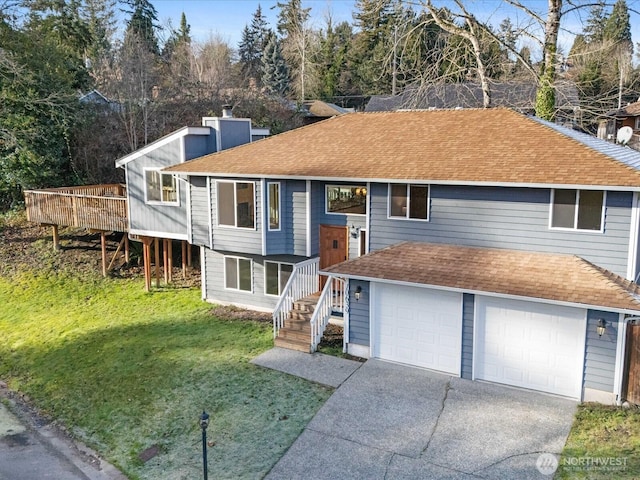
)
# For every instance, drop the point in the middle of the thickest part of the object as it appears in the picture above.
(241, 240)
(291, 238)
(234, 132)
(297, 194)
(501, 217)
(170, 221)
(198, 145)
(468, 301)
(359, 313)
(600, 352)
(216, 292)
(200, 215)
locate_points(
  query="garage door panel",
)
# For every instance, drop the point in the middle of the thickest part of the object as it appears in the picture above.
(530, 345)
(418, 326)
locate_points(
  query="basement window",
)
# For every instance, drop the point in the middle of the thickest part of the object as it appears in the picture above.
(238, 274)
(276, 276)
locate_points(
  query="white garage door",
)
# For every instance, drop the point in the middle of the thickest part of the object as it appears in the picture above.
(417, 326)
(530, 345)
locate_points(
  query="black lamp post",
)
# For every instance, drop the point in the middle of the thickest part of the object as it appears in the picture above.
(204, 423)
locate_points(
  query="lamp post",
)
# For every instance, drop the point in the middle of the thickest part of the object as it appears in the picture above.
(204, 423)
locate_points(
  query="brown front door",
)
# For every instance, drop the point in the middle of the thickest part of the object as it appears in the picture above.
(334, 244)
(632, 382)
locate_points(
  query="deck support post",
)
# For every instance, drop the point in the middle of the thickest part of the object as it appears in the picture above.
(156, 248)
(146, 257)
(165, 259)
(169, 260)
(56, 237)
(127, 256)
(103, 247)
(189, 262)
(184, 259)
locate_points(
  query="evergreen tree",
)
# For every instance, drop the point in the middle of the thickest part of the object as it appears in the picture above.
(596, 22)
(142, 23)
(617, 28)
(251, 47)
(332, 59)
(177, 38)
(275, 73)
(371, 47)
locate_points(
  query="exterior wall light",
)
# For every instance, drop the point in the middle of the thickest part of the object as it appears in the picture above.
(602, 326)
(357, 293)
(355, 231)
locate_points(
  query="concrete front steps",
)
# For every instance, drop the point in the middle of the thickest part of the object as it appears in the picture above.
(296, 332)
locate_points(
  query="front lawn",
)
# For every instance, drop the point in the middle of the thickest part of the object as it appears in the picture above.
(604, 443)
(126, 370)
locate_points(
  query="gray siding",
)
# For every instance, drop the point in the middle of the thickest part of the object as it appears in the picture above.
(241, 240)
(515, 218)
(168, 220)
(359, 313)
(200, 215)
(468, 301)
(600, 353)
(215, 289)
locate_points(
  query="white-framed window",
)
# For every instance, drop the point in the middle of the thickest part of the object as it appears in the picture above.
(238, 274)
(160, 187)
(346, 199)
(276, 276)
(408, 201)
(273, 193)
(577, 209)
(236, 204)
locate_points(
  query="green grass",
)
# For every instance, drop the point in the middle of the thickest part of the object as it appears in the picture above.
(604, 443)
(126, 370)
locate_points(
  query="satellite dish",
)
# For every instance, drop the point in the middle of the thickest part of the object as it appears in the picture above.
(624, 135)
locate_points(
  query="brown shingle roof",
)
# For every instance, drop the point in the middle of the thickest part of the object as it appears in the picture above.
(494, 146)
(560, 278)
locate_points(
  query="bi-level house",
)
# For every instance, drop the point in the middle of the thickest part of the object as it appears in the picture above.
(480, 243)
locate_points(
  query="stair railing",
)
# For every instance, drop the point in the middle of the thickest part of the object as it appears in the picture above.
(324, 309)
(302, 283)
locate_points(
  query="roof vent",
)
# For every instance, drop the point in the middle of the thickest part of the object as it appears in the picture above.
(226, 111)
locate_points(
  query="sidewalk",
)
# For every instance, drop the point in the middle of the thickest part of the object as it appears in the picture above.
(35, 452)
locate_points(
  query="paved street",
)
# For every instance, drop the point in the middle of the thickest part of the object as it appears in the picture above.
(31, 452)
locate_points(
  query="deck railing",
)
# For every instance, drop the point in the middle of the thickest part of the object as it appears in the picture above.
(97, 207)
(331, 299)
(302, 283)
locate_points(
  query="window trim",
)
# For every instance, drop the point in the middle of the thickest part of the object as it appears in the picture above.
(576, 211)
(224, 272)
(162, 174)
(269, 228)
(279, 272)
(408, 197)
(235, 205)
(326, 198)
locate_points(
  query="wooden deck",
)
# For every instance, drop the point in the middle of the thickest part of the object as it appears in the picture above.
(94, 207)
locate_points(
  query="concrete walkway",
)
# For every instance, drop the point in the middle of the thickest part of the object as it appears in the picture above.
(387, 421)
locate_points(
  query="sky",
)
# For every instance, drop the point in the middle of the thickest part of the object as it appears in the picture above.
(227, 18)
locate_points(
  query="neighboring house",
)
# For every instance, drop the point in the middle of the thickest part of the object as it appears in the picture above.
(628, 116)
(94, 97)
(159, 204)
(500, 254)
(317, 110)
(520, 96)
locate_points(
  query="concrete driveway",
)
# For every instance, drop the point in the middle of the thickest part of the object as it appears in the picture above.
(388, 421)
